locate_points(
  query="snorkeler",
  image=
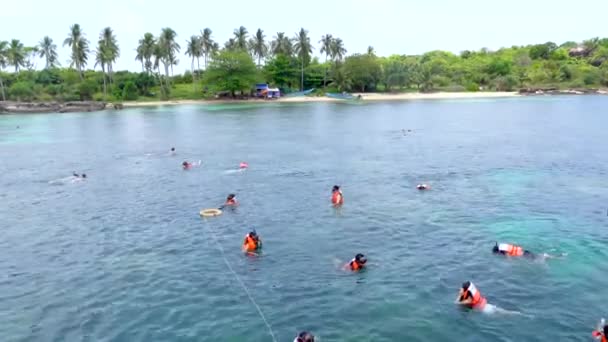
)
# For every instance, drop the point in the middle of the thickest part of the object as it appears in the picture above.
(471, 297)
(231, 201)
(357, 263)
(337, 198)
(304, 336)
(252, 242)
(423, 186)
(517, 251)
(601, 332)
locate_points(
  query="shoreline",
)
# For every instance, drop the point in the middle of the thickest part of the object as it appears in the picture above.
(372, 97)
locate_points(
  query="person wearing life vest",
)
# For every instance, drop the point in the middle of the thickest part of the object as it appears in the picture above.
(337, 198)
(304, 336)
(510, 250)
(471, 297)
(252, 242)
(186, 165)
(357, 263)
(231, 201)
(601, 332)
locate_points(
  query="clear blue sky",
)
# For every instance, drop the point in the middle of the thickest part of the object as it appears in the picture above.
(390, 26)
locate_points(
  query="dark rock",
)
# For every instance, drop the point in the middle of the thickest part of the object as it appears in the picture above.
(50, 107)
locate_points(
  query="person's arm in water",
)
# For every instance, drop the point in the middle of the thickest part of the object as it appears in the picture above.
(464, 301)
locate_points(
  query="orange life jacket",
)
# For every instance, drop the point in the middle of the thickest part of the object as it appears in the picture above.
(336, 197)
(231, 201)
(479, 302)
(250, 244)
(511, 250)
(597, 334)
(355, 265)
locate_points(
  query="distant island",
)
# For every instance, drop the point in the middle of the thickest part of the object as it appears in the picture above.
(285, 62)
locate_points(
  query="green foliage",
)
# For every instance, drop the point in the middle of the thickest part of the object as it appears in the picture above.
(129, 91)
(22, 91)
(231, 71)
(364, 70)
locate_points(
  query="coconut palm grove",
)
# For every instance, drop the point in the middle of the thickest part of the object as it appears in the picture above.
(291, 62)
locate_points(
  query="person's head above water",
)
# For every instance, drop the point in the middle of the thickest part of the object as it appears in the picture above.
(172, 149)
(305, 336)
(495, 248)
(465, 285)
(253, 234)
(335, 188)
(231, 196)
(185, 163)
(84, 175)
(360, 258)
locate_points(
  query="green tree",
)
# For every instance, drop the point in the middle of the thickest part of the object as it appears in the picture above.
(282, 70)
(3, 64)
(258, 45)
(303, 49)
(240, 38)
(145, 51)
(169, 48)
(22, 91)
(15, 54)
(364, 71)
(326, 44)
(48, 50)
(282, 45)
(101, 59)
(193, 49)
(207, 44)
(338, 51)
(79, 46)
(108, 41)
(129, 91)
(231, 71)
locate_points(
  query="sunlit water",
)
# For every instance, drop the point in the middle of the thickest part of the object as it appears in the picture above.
(124, 255)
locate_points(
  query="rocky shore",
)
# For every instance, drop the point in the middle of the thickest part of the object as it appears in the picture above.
(555, 91)
(50, 107)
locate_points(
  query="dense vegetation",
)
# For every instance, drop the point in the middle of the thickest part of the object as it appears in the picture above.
(288, 63)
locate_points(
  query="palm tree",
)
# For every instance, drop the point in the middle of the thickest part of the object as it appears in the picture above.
(30, 53)
(15, 54)
(230, 44)
(371, 51)
(158, 54)
(80, 48)
(102, 58)
(281, 45)
(145, 50)
(48, 50)
(259, 47)
(193, 49)
(169, 49)
(337, 50)
(108, 41)
(240, 38)
(326, 43)
(3, 63)
(303, 49)
(207, 44)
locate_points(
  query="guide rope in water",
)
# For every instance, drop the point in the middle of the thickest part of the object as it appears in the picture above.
(219, 246)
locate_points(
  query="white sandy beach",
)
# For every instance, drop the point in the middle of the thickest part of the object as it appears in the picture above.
(365, 97)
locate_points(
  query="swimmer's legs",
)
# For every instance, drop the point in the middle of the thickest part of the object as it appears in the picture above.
(493, 309)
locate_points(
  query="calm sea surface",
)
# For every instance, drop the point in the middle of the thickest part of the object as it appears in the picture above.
(124, 255)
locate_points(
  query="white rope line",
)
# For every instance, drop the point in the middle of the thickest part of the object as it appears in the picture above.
(219, 246)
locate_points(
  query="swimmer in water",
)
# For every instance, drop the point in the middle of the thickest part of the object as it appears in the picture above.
(470, 297)
(337, 199)
(517, 251)
(231, 201)
(186, 165)
(304, 336)
(423, 186)
(252, 242)
(75, 174)
(84, 175)
(172, 152)
(601, 333)
(243, 165)
(357, 263)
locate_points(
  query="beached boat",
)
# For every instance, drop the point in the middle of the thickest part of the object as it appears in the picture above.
(343, 96)
(300, 93)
